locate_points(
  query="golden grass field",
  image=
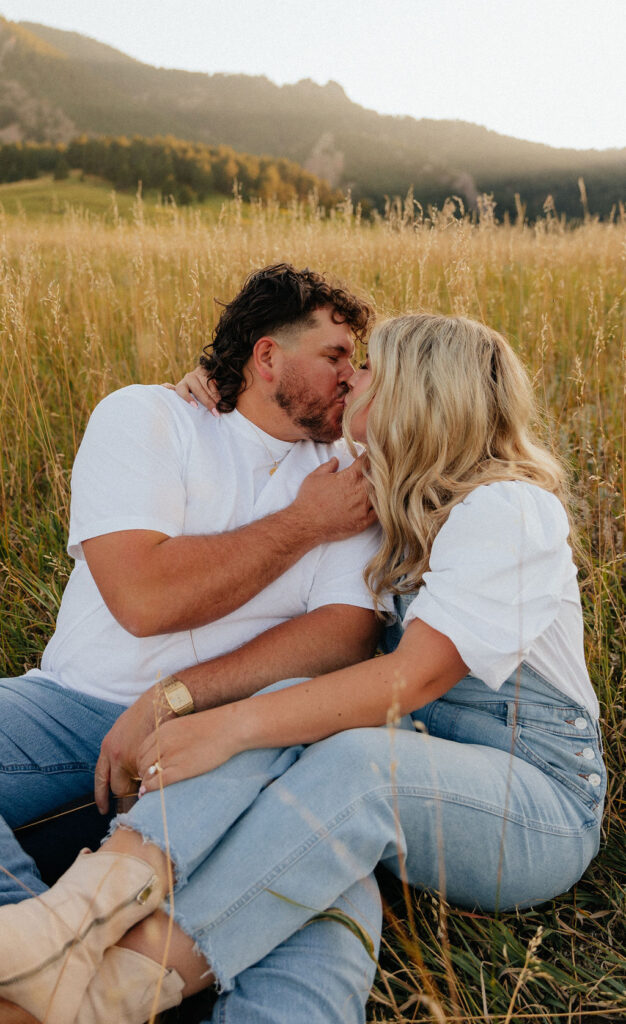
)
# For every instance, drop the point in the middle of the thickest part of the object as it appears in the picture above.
(90, 303)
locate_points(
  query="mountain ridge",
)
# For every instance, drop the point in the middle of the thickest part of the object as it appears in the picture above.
(66, 84)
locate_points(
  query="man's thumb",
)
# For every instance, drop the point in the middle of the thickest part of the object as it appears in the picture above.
(329, 467)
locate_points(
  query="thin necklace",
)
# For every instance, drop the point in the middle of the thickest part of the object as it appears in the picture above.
(275, 462)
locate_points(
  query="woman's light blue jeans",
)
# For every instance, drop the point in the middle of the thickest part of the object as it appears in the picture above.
(495, 802)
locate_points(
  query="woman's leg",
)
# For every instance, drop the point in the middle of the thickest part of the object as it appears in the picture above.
(468, 820)
(322, 974)
(346, 803)
(188, 819)
(51, 945)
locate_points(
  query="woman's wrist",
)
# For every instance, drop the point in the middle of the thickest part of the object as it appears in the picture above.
(247, 724)
(237, 724)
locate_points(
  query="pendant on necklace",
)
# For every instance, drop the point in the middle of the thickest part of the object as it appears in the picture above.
(273, 469)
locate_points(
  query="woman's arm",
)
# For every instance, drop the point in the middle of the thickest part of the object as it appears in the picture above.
(425, 665)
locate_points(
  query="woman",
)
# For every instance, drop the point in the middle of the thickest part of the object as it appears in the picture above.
(293, 796)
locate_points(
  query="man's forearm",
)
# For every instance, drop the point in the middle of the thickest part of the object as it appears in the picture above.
(154, 584)
(321, 641)
(227, 570)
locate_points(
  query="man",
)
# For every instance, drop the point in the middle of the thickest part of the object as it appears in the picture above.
(213, 556)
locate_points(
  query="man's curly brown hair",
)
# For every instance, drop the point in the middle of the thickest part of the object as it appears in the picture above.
(271, 299)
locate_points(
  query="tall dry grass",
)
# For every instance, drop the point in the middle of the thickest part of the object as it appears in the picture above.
(88, 306)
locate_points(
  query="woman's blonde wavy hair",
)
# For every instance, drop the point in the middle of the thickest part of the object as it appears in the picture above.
(452, 408)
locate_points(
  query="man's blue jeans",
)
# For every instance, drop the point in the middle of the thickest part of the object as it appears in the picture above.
(50, 739)
(49, 743)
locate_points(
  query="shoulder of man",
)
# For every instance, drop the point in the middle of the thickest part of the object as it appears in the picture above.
(145, 406)
(143, 396)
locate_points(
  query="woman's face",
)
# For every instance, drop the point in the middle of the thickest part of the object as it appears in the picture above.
(358, 385)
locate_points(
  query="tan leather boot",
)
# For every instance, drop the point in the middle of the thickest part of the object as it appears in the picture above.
(51, 946)
(128, 989)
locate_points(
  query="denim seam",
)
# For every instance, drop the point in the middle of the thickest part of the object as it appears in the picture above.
(563, 733)
(555, 728)
(279, 869)
(561, 697)
(480, 805)
(522, 713)
(324, 832)
(70, 766)
(554, 773)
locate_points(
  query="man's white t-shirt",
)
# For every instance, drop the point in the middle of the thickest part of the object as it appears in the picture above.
(149, 461)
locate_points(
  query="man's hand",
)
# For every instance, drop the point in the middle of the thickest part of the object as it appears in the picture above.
(116, 769)
(335, 504)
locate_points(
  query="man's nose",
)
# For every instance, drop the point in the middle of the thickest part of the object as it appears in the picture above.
(349, 376)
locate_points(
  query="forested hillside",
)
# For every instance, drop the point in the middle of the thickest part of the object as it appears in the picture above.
(186, 171)
(56, 85)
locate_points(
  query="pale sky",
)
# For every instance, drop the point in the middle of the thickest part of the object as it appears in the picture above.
(551, 71)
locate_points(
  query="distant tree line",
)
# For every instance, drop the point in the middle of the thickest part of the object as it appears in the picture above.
(191, 171)
(187, 171)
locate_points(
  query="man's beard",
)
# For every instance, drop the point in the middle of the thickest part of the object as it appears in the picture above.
(305, 410)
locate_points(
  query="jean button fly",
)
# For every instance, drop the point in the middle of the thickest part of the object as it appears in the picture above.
(580, 723)
(589, 753)
(595, 779)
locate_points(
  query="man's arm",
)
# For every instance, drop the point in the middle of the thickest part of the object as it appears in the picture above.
(153, 584)
(321, 641)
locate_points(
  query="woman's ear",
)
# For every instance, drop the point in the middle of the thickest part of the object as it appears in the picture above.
(266, 358)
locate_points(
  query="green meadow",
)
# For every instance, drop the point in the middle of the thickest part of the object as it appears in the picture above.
(82, 195)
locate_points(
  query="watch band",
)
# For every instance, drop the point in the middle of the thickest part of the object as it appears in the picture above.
(177, 696)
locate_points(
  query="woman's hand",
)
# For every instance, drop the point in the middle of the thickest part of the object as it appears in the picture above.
(189, 746)
(195, 387)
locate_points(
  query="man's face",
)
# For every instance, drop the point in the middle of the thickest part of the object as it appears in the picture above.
(313, 381)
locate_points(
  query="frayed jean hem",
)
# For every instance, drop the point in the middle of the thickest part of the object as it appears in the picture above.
(125, 822)
(204, 947)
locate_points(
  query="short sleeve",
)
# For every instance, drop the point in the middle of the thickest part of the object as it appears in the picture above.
(338, 578)
(129, 470)
(498, 570)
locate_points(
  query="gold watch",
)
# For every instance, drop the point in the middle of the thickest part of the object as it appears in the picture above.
(177, 696)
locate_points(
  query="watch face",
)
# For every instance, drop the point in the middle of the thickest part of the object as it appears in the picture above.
(178, 700)
(178, 697)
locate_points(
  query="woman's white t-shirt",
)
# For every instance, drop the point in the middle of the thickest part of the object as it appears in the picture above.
(502, 586)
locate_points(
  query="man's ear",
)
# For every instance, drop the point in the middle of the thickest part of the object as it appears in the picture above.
(267, 358)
